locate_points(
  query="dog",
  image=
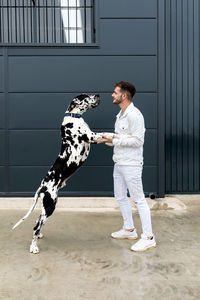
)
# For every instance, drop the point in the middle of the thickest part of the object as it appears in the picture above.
(75, 147)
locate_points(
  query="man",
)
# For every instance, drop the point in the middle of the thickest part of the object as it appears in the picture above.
(128, 158)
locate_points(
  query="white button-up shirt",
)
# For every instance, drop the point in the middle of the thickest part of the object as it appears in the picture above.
(129, 140)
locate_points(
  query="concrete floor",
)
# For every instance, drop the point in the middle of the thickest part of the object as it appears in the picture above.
(79, 260)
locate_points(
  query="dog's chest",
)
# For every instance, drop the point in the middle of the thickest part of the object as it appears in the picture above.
(75, 146)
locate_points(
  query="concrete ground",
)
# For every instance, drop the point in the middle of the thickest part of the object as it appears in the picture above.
(79, 260)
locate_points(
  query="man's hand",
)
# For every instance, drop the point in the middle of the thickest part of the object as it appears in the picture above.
(105, 139)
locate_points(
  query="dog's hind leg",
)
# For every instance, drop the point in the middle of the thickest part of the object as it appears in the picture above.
(36, 234)
(49, 205)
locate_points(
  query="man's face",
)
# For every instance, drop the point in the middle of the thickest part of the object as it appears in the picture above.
(117, 96)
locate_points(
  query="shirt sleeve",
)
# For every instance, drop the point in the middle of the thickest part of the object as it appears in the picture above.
(136, 137)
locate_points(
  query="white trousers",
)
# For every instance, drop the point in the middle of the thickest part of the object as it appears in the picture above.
(130, 177)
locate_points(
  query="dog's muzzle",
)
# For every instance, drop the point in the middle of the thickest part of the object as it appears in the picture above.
(97, 98)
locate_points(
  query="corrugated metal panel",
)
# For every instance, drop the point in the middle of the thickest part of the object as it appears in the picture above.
(40, 82)
(182, 96)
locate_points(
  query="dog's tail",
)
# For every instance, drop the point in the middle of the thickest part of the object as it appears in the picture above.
(30, 210)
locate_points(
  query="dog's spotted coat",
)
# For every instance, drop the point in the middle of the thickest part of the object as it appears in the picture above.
(76, 138)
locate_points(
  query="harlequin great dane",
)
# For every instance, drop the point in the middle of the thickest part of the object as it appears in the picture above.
(76, 138)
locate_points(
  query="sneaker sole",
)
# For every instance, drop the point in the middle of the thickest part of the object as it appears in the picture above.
(142, 250)
(125, 237)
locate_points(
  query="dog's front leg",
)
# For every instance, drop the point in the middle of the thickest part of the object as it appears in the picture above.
(94, 136)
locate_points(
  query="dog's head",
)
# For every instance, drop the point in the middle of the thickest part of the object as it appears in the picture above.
(83, 102)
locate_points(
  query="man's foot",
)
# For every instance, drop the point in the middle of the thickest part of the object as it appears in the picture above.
(144, 243)
(125, 234)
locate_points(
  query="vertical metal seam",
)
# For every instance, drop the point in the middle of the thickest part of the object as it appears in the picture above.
(178, 135)
(161, 97)
(68, 24)
(188, 93)
(193, 99)
(8, 22)
(0, 27)
(196, 96)
(182, 96)
(85, 33)
(176, 99)
(7, 147)
(76, 21)
(167, 103)
(47, 37)
(54, 23)
(171, 119)
(198, 32)
(93, 29)
(31, 21)
(23, 20)
(34, 24)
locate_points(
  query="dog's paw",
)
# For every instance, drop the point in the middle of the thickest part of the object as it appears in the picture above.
(108, 134)
(34, 249)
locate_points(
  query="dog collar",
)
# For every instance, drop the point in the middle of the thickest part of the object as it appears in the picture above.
(73, 115)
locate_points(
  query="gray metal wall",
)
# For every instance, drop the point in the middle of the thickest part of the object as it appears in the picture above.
(182, 95)
(37, 84)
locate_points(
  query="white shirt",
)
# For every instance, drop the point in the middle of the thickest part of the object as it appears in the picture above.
(129, 139)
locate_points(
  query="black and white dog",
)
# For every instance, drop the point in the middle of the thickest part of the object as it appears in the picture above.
(75, 147)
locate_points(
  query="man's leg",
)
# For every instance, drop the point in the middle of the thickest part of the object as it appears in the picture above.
(120, 193)
(133, 178)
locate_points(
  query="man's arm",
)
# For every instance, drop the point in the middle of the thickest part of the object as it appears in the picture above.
(106, 140)
(122, 140)
(135, 139)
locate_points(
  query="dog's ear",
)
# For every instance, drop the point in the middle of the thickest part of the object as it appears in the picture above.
(72, 105)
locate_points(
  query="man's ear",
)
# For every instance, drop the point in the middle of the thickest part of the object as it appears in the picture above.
(124, 95)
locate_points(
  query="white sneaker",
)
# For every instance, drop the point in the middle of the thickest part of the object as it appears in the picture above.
(124, 234)
(143, 244)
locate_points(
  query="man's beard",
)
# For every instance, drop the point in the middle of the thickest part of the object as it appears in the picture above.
(117, 101)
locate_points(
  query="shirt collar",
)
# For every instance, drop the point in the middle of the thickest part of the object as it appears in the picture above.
(128, 109)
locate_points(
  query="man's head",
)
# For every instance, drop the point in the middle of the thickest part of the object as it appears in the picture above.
(124, 91)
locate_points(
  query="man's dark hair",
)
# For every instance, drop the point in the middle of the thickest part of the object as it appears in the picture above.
(127, 87)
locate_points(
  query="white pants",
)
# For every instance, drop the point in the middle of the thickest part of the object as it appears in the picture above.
(130, 177)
